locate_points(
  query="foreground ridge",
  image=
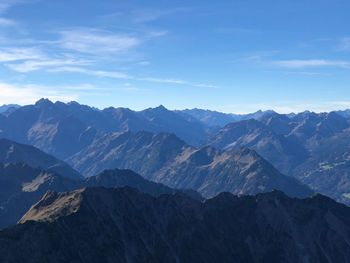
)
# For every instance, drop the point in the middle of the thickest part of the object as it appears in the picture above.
(125, 225)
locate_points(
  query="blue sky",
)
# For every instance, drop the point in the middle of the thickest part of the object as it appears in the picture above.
(232, 56)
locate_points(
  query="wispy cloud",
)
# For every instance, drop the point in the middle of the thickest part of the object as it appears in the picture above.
(97, 73)
(18, 54)
(6, 4)
(126, 76)
(30, 59)
(85, 51)
(7, 22)
(299, 63)
(149, 15)
(33, 65)
(178, 81)
(142, 16)
(257, 57)
(301, 72)
(236, 30)
(97, 42)
(345, 44)
(27, 93)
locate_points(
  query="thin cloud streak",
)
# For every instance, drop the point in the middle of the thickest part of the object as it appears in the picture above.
(179, 82)
(125, 76)
(345, 44)
(33, 65)
(18, 54)
(95, 42)
(299, 63)
(97, 73)
(7, 4)
(7, 22)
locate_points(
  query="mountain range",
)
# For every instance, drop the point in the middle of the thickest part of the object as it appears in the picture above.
(166, 159)
(169, 163)
(292, 143)
(63, 129)
(125, 225)
(211, 118)
(79, 184)
(314, 148)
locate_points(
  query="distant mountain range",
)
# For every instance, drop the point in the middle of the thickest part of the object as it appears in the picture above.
(311, 147)
(124, 225)
(218, 119)
(315, 148)
(64, 129)
(8, 107)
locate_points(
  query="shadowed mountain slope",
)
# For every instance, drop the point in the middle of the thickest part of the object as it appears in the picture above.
(13, 152)
(124, 225)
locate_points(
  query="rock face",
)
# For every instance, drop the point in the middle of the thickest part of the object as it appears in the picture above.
(166, 159)
(124, 225)
(12, 152)
(21, 186)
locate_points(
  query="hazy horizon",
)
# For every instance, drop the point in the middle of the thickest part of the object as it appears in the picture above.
(177, 109)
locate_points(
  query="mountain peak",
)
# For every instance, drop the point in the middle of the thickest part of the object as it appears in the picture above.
(74, 103)
(161, 107)
(44, 102)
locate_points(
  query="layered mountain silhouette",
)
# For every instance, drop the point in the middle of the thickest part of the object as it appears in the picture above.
(21, 186)
(293, 143)
(218, 119)
(311, 147)
(166, 159)
(64, 129)
(124, 225)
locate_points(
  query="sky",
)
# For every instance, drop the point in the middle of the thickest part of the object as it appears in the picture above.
(234, 56)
